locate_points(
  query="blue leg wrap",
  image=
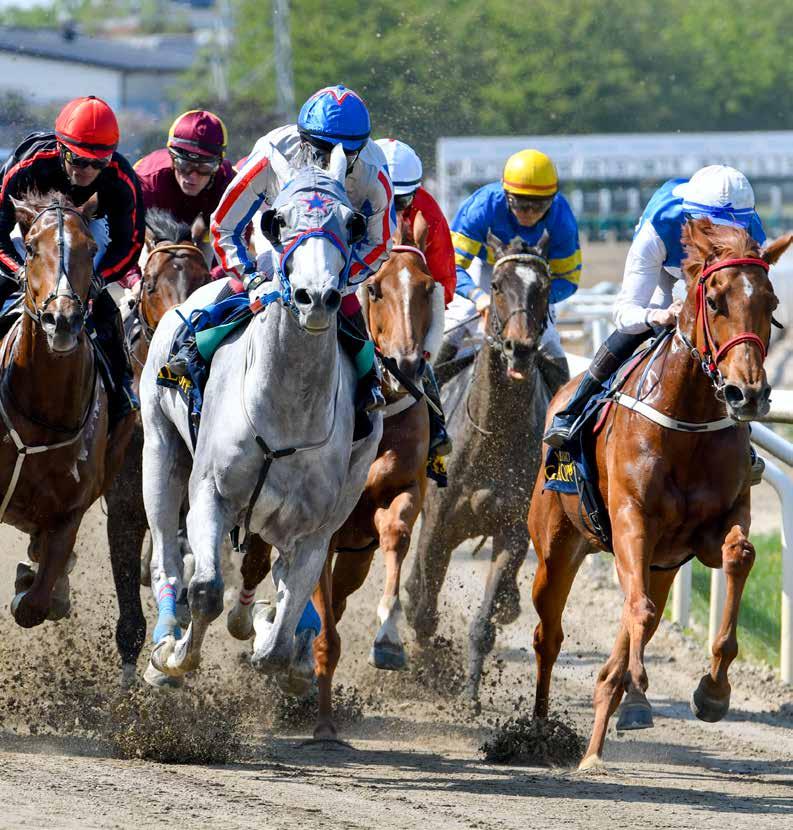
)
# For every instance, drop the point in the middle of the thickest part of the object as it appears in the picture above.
(166, 620)
(309, 620)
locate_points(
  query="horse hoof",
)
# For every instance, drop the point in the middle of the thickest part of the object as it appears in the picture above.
(507, 608)
(24, 578)
(706, 708)
(635, 714)
(25, 615)
(388, 656)
(129, 676)
(593, 764)
(163, 653)
(159, 680)
(240, 622)
(59, 608)
(294, 685)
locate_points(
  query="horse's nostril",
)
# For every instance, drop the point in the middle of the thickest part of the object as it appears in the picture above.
(48, 319)
(509, 346)
(734, 395)
(766, 393)
(332, 299)
(302, 297)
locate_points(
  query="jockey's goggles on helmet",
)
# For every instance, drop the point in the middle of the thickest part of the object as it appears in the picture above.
(81, 162)
(325, 148)
(403, 201)
(194, 163)
(529, 204)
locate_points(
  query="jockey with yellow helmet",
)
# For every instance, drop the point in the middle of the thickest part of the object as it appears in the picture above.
(526, 203)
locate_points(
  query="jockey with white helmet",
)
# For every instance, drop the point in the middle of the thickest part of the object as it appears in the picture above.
(333, 115)
(721, 194)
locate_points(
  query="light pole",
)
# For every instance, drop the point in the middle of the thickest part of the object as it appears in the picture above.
(284, 82)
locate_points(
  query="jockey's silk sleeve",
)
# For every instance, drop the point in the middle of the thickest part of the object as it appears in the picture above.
(378, 207)
(243, 197)
(564, 250)
(643, 268)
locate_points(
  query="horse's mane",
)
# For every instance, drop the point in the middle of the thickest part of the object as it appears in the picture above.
(36, 200)
(702, 240)
(166, 227)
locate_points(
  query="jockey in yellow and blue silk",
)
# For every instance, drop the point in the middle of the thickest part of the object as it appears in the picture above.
(525, 204)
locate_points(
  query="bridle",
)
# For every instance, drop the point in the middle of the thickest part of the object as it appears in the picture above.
(36, 312)
(411, 249)
(710, 354)
(496, 338)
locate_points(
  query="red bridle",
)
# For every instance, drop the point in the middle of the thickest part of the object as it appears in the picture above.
(711, 353)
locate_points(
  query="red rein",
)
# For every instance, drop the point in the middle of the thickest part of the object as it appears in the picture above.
(710, 350)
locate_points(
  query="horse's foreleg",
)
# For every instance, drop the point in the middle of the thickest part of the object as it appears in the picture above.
(327, 650)
(54, 547)
(255, 567)
(394, 525)
(349, 573)
(610, 684)
(711, 699)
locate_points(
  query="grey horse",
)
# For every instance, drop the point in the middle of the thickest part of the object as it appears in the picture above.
(280, 393)
(496, 412)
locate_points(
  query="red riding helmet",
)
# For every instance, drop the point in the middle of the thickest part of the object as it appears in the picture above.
(198, 135)
(88, 127)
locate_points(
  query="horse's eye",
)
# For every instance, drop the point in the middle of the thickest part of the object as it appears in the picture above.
(30, 249)
(712, 304)
(372, 289)
(495, 288)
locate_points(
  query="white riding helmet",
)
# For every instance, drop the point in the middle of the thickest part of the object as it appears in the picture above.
(722, 194)
(404, 166)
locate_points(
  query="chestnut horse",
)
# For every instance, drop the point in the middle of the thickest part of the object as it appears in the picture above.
(174, 268)
(673, 490)
(56, 456)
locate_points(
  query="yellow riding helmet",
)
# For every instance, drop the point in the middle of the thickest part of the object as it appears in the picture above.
(530, 173)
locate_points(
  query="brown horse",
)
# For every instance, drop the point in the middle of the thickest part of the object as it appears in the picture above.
(403, 308)
(672, 490)
(175, 267)
(56, 455)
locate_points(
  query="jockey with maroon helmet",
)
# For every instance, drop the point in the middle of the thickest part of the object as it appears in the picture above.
(333, 115)
(79, 159)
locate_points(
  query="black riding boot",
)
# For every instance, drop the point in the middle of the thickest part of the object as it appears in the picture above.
(440, 442)
(114, 361)
(617, 348)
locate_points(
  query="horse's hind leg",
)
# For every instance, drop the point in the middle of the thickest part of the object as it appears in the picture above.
(255, 567)
(327, 650)
(501, 601)
(711, 699)
(610, 684)
(394, 526)
(560, 552)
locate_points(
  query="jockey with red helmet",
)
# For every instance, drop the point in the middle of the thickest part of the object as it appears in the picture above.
(79, 159)
(189, 175)
(333, 115)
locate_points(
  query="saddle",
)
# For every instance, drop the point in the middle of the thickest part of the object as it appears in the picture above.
(571, 469)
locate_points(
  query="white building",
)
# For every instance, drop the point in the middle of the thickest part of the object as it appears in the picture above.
(51, 66)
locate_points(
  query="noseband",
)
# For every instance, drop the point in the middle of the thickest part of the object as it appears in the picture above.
(710, 354)
(37, 311)
(496, 340)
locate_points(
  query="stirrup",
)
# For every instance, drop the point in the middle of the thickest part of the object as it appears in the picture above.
(758, 468)
(557, 435)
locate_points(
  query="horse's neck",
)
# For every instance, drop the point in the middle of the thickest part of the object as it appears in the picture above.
(51, 388)
(303, 367)
(494, 398)
(683, 390)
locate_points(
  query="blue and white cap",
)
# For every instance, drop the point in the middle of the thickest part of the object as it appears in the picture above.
(335, 114)
(719, 193)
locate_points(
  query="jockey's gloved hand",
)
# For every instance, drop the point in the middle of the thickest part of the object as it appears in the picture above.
(253, 281)
(665, 316)
(267, 264)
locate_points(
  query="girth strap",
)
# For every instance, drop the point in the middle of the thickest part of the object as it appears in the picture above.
(659, 418)
(269, 457)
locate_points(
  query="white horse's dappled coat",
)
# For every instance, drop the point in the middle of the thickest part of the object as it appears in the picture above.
(285, 380)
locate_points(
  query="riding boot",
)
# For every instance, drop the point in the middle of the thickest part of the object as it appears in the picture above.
(758, 466)
(440, 442)
(114, 359)
(561, 429)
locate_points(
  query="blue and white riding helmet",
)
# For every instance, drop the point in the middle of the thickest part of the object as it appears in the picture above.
(404, 165)
(335, 115)
(719, 193)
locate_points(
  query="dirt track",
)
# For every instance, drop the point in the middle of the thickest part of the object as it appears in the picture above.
(415, 761)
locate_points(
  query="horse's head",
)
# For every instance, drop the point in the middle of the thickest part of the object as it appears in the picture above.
(313, 225)
(518, 313)
(59, 264)
(727, 315)
(403, 308)
(175, 265)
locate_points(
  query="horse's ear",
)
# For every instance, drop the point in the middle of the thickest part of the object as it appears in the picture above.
(280, 165)
(404, 234)
(149, 240)
(271, 224)
(774, 250)
(356, 226)
(198, 229)
(338, 164)
(421, 231)
(697, 242)
(24, 214)
(90, 207)
(496, 245)
(542, 243)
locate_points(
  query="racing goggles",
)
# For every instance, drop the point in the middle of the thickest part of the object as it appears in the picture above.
(194, 163)
(529, 204)
(403, 201)
(325, 148)
(81, 162)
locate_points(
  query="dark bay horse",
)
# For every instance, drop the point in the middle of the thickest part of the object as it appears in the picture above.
(56, 456)
(495, 413)
(175, 267)
(672, 490)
